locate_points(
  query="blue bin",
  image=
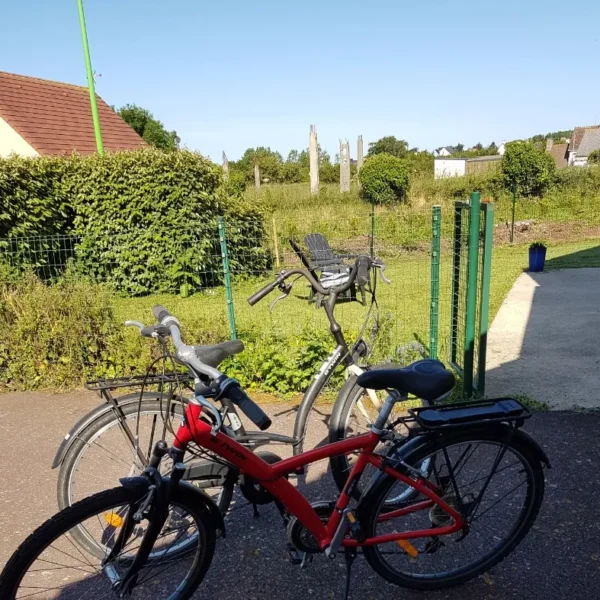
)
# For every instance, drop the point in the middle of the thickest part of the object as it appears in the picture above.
(537, 258)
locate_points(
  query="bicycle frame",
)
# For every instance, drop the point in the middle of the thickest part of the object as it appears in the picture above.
(273, 478)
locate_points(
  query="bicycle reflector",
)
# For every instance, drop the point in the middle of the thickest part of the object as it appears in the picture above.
(408, 548)
(113, 519)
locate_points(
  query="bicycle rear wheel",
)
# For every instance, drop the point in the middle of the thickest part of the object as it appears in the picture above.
(102, 454)
(353, 414)
(500, 504)
(49, 565)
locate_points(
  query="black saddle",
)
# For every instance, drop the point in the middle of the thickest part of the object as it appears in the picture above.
(214, 355)
(427, 379)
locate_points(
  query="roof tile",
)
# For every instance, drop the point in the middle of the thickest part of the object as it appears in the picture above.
(56, 118)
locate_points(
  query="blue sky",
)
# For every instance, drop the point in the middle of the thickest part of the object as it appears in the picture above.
(230, 75)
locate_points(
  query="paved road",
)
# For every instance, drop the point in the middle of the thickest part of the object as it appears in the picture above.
(559, 559)
(543, 342)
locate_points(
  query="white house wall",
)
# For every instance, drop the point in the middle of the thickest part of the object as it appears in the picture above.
(449, 167)
(12, 143)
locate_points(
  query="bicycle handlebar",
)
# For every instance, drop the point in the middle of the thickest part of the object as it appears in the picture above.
(359, 272)
(229, 387)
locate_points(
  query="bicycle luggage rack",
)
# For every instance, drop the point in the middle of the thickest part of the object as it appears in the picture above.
(464, 414)
(98, 385)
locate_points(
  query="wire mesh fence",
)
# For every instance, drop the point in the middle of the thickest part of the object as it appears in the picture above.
(142, 266)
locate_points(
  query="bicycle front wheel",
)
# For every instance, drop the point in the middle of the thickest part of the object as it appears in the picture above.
(102, 454)
(499, 488)
(49, 565)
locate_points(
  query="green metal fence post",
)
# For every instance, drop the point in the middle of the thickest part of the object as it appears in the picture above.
(436, 223)
(484, 302)
(456, 264)
(514, 201)
(227, 278)
(471, 298)
(372, 229)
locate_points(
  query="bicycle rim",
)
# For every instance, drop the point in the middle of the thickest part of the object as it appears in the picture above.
(501, 506)
(50, 565)
(359, 418)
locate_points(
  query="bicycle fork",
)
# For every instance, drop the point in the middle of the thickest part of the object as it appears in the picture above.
(155, 508)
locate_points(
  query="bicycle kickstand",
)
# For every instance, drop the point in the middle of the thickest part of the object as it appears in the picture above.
(350, 555)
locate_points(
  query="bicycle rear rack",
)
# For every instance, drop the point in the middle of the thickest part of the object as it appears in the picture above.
(468, 414)
(133, 381)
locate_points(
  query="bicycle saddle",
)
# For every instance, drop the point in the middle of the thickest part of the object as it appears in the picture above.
(214, 355)
(427, 379)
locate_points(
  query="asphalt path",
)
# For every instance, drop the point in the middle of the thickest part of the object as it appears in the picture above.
(559, 559)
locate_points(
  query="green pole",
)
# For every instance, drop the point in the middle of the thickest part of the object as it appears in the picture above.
(484, 302)
(456, 268)
(372, 229)
(90, 79)
(436, 221)
(514, 202)
(471, 300)
(227, 278)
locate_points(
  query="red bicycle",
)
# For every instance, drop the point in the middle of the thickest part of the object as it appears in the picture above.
(154, 537)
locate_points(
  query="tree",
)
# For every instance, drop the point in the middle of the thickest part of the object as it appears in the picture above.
(269, 163)
(529, 168)
(384, 179)
(150, 129)
(389, 145)
(594, 157)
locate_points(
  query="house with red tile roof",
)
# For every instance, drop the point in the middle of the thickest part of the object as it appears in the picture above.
(39, 117)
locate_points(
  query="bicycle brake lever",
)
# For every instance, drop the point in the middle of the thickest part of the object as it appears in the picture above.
(286, 289)
(383, 277)
(137, 324)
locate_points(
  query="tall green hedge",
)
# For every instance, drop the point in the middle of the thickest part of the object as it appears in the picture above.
(145, 221)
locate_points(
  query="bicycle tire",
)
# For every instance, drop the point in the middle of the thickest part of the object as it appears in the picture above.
(71, 517)
(534, 498)
(201, 475)
(347, 398)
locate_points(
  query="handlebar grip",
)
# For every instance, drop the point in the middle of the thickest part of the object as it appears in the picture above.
(254, 412)
(258, 296)
(160, 312)
(363, 264)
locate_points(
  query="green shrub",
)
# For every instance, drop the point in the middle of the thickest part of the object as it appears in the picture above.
(529, 168)
(147, 220)
(32, 199)
(52, 336)
(594, 157)
(384, 179)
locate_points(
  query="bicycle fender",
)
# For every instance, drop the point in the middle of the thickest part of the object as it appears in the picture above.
(140, 485)
(87, 420)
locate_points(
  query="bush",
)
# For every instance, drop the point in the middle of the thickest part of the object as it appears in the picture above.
(52, 336)
(32, 199)
(531, 169)
(147, 220)
(384, 179)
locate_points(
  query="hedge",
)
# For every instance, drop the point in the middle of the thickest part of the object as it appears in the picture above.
(145, 221)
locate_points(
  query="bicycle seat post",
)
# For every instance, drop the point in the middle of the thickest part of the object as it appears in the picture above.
(385, 412)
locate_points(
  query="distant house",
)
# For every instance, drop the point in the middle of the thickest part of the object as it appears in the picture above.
(39, 117)
(457, 167)
(447, 151)
(559, 153)
(584, 140)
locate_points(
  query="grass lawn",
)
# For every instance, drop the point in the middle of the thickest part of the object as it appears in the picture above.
(404, 305)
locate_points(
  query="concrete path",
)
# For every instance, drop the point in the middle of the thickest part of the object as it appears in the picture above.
(560, 558)
(545, 341)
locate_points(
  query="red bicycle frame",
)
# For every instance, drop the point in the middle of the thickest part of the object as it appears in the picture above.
(272, 478)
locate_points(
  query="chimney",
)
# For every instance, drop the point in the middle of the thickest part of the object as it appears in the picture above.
(549, 143)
